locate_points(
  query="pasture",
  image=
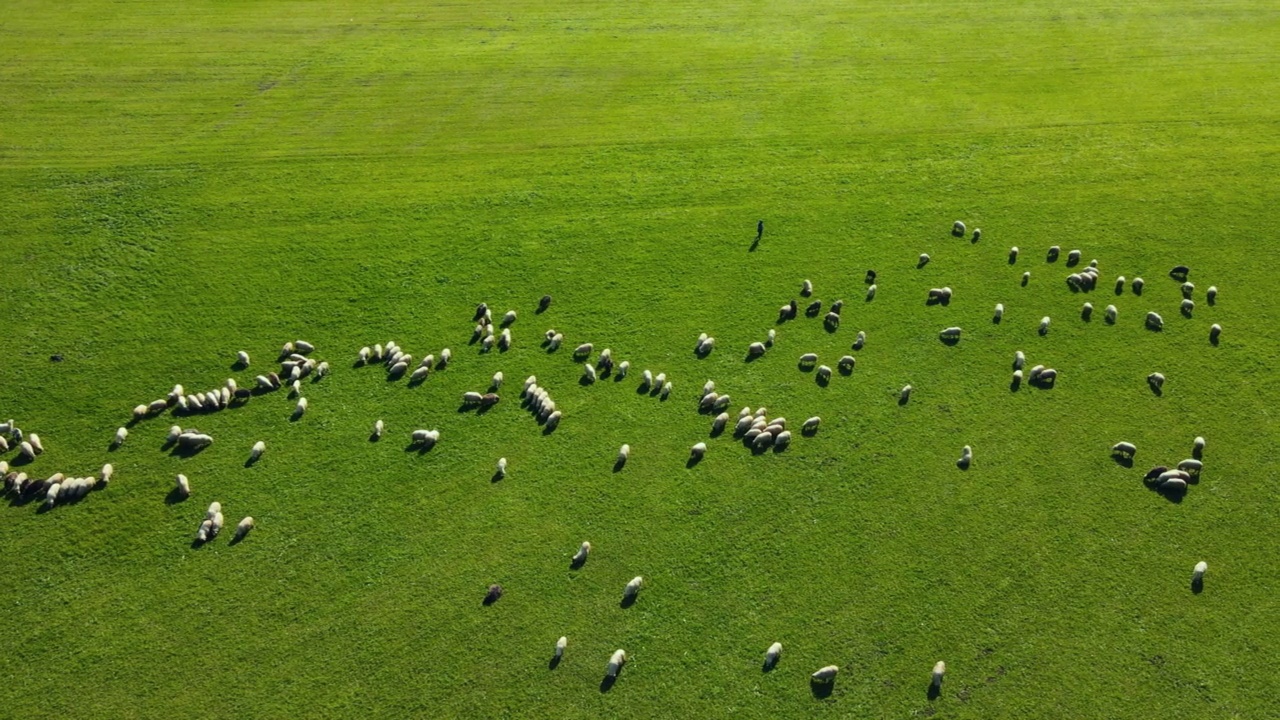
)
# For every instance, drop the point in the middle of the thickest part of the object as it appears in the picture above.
(180, 182)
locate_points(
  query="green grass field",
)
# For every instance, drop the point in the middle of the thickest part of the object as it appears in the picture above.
(182, 181)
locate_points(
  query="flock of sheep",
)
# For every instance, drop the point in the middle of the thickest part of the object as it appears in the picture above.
(756, 430)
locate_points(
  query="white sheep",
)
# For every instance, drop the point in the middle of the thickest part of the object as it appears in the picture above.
(471, 398)
(999, 314)
(755, 349)
(509, 318)
(502, 468)
(36, 445)
(1044, 324)
(1197, 447)
(303, 347)
(1197, 574)
(1034, 374)
(708, 388)
(905, 394)
(1017, 378)
(1154, 321)
(1073, 257)
(1026, 277)
(1086, 311)
(363, 356)
(1019, 359)
(487, 344)
(623, 368)
(806, 288)
(194, 441)
(717, 425)
(215, 525)
(553, 421)
(588, 373)
(698, 451)
(646, 379)
(951, 333)
(871, 292)
(826, 675)
(808, 358)
(1211, 294)
(633, 588)
(204, 532)
(139, 412)
(1187, 307)
(1136, 285)
(243, 528)
(772, 655)
(1215, 331)
(445, 356)
(1111, 314)
(823, 373)
(1156, 380)
(258, 448)
(1124, 448)
(182, 486)
(924, 260)
(939, 669)
(744, 424)
(215, 508)
(107, 472)
(782, 439)
(295, 388)
(666, 391)
(811, 425)
(1187, 289)
(770, 337)
(121, 435)
(1048, 376)
(660, 380)
(264, 383)
(584, 550)
(616, 661)
(957, 228)
(300, 408)
(707, 346)
(583, 350)
(847, 363)
(378, 352)
(419, 374)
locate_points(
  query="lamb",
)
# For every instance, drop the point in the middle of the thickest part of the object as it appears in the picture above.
(806, 288)
(183, 486)
(904, 395)
(121, 435)
(1211, 295)
(698, 451)
(871, 292)
(508, 318)
(580, 557)
(300, 408)
(1187, 307)
(502, 468)
(772, 655)
(258, 448)
(616, 661)
(633, 588)
(583, 350)
(1044, 325)
(588, 373)
(860, 340)
(303, 347)
(1156, 381)
(823, 374)
(377, 430)
(497, 380)
(1154, 321)
(825, 676)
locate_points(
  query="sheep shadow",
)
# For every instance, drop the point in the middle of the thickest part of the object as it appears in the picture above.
(619, 376)
(751, 357)
(691, 462)
(1186, 313)
(831, 326)
(822, 380)
(1211, 299)
(1025, 280)
(174, 497)
(413, 381)
(607, 683)
(236, 540)
(808, 431)
(197, 544)
(845, 370)
(628, 601)
(554, 662)
(548, 429)
(948, 340)
(250, 462)
(1043, 331)
(1137, 290)
(1180, 273)
(585, 381)
(1109, 320)
(769, 664)
(903, 400)
(484, 409)
(1213, 340)
(1197, 585)
(934, 691)
(921, 263)
(995, 319)
(1196, 453)
(497, 475)
(295, 416)
(1044, 384)
(717, 431)
(374, 436)
(821, 690)
(804, 366)
(643, 388)
(186, 452)
(576, 563)
(1122, 460)
(779, 448)
(963, 463)
(466, 407)
(619, 464)
(1013, 258)
(1156, 389)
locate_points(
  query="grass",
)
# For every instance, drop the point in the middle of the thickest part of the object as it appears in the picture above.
(180, 183)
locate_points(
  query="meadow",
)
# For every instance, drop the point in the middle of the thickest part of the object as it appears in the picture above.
(182, 181)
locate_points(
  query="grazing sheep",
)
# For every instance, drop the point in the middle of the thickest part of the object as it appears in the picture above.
(1156, 380)
(492, 594)
(772, 655)
(832, 320)
(825, 676)
(580, 557)
(296, 387)
(785, 313)
(1168, 475)
(215, 508)
(1197, 573)
(183, 486)
(646, 379)
(194, 441)
(939, 669)
(605, 361)
(708, 388)
(660, 380)
(243, 528)
(957, 229)
(497, 380)
(1047, 377)
(563, 641)
(489, 399)
(633, 588)
(583, 350)
(755, 349)
(1188, 306)
(824, 373)
(107, 472)
(814, 308)
(273, 380)
(1111, 314)
(264, 383)
(1191, 466)
(588, 373)
(364, 355)
(1215, 331)
(624, 454)
(1124, 448)
(1044, 324)
(204, 533)
(1073, 257)
(811, 425)
(303, 347)
(770, 337)
(722, 403)
(999, 313)
(121, 435)
(419, 374)
(481, 309)
(806, 288)
(1034, 374)
(1119, 284)
(139, 412)
(744, 424)
(623, 368)
(1013, 254)
(1017, 379)
(508, 318)
(1211, 295)
(51, 495)
(300, 408)
(215, 525)
(1187, 289)
(871, 292)
(502, 468)
(471, 398)
(1019, 359)
(717, 425)
(782, 439)
(258, 448)
(924, 260)
(707, 401)
(951, 333)
(4, 445)
(966, 458)
(977, 234)
(486, 345)
(286, 350)
(1086, 312)
(616, 661)
(1197, 447)
(553, 421)
(1137, 285)
(36, 445)
(698, 451)
(808, 358)
(666, 391)
(504, 340)
(836, 307)
(847, 363)
(1026, 278)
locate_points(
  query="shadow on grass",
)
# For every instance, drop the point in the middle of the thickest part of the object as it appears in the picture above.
(627, 601)
(821, 690)
(1197, 585)
(554, 662)
(174, 497)
(607, 683)
(934, 691)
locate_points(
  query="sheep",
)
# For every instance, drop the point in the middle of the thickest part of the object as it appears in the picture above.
(939, 669)
(1156, 381)
(1215, 331)
(554, 342)
(905, 394)
(107, 472)
(1017, 379)
(966, 458)
(624, 454)
(1197, 447)
(1211, 295)
(806, 288)
(1173, 485)
(363, 357)
(951, 333)
(273, 380)
(847, 363)
(492, 594)
(1111, 314)
(194, 441)
(1034, 374)
(836, 307)
(1187, 307)
(501, 471)
(583, 350)
(580, 557)
(924, 260)
(755, 349)
(616, 661)
(1013, 254)
(1044, 325)
(623, 368)
(999, 313)
(957, 229)
(722, 403)
(772, 655)
(1191, 466)
(121, 435)
(215, 525)
(588, 373)
(770, 337)
(304, 347)
(717, 425)
(871, 293)
(1019, 359)
(1026, 278)
(808, 358)
(977, 234)
(286, 350)
(1073, 257)
(419, 437)
(708, 388)
(707, 401)
(785, 313)
(4, 445)
(563, 641)
(486, 345)
(36, 445)
(182, 486)
(823, 374)
(508, 318)
(504, 340)
(810, 426)
(1187, 289)
(814, 308)
(264, 383)
(666, 391)
(605, 361)
(698, 451)
(1154, 321)
(204, 532)
(445, 356)
(258, 448)
(832, 321)
(860, 340)
(481, 309)
(489, 399)
(1197, 573)
(300, 408)
(471, 398)
(553, 421)
(419, 374)
(633, 588)
(825, 676)
(782, 439)
(744, 424)
(660, 380)
(1126, 449)
(1172, 475)
(7, 427)
(295, 388)
(1137, 285)
(1048, 377)
(139, 412)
